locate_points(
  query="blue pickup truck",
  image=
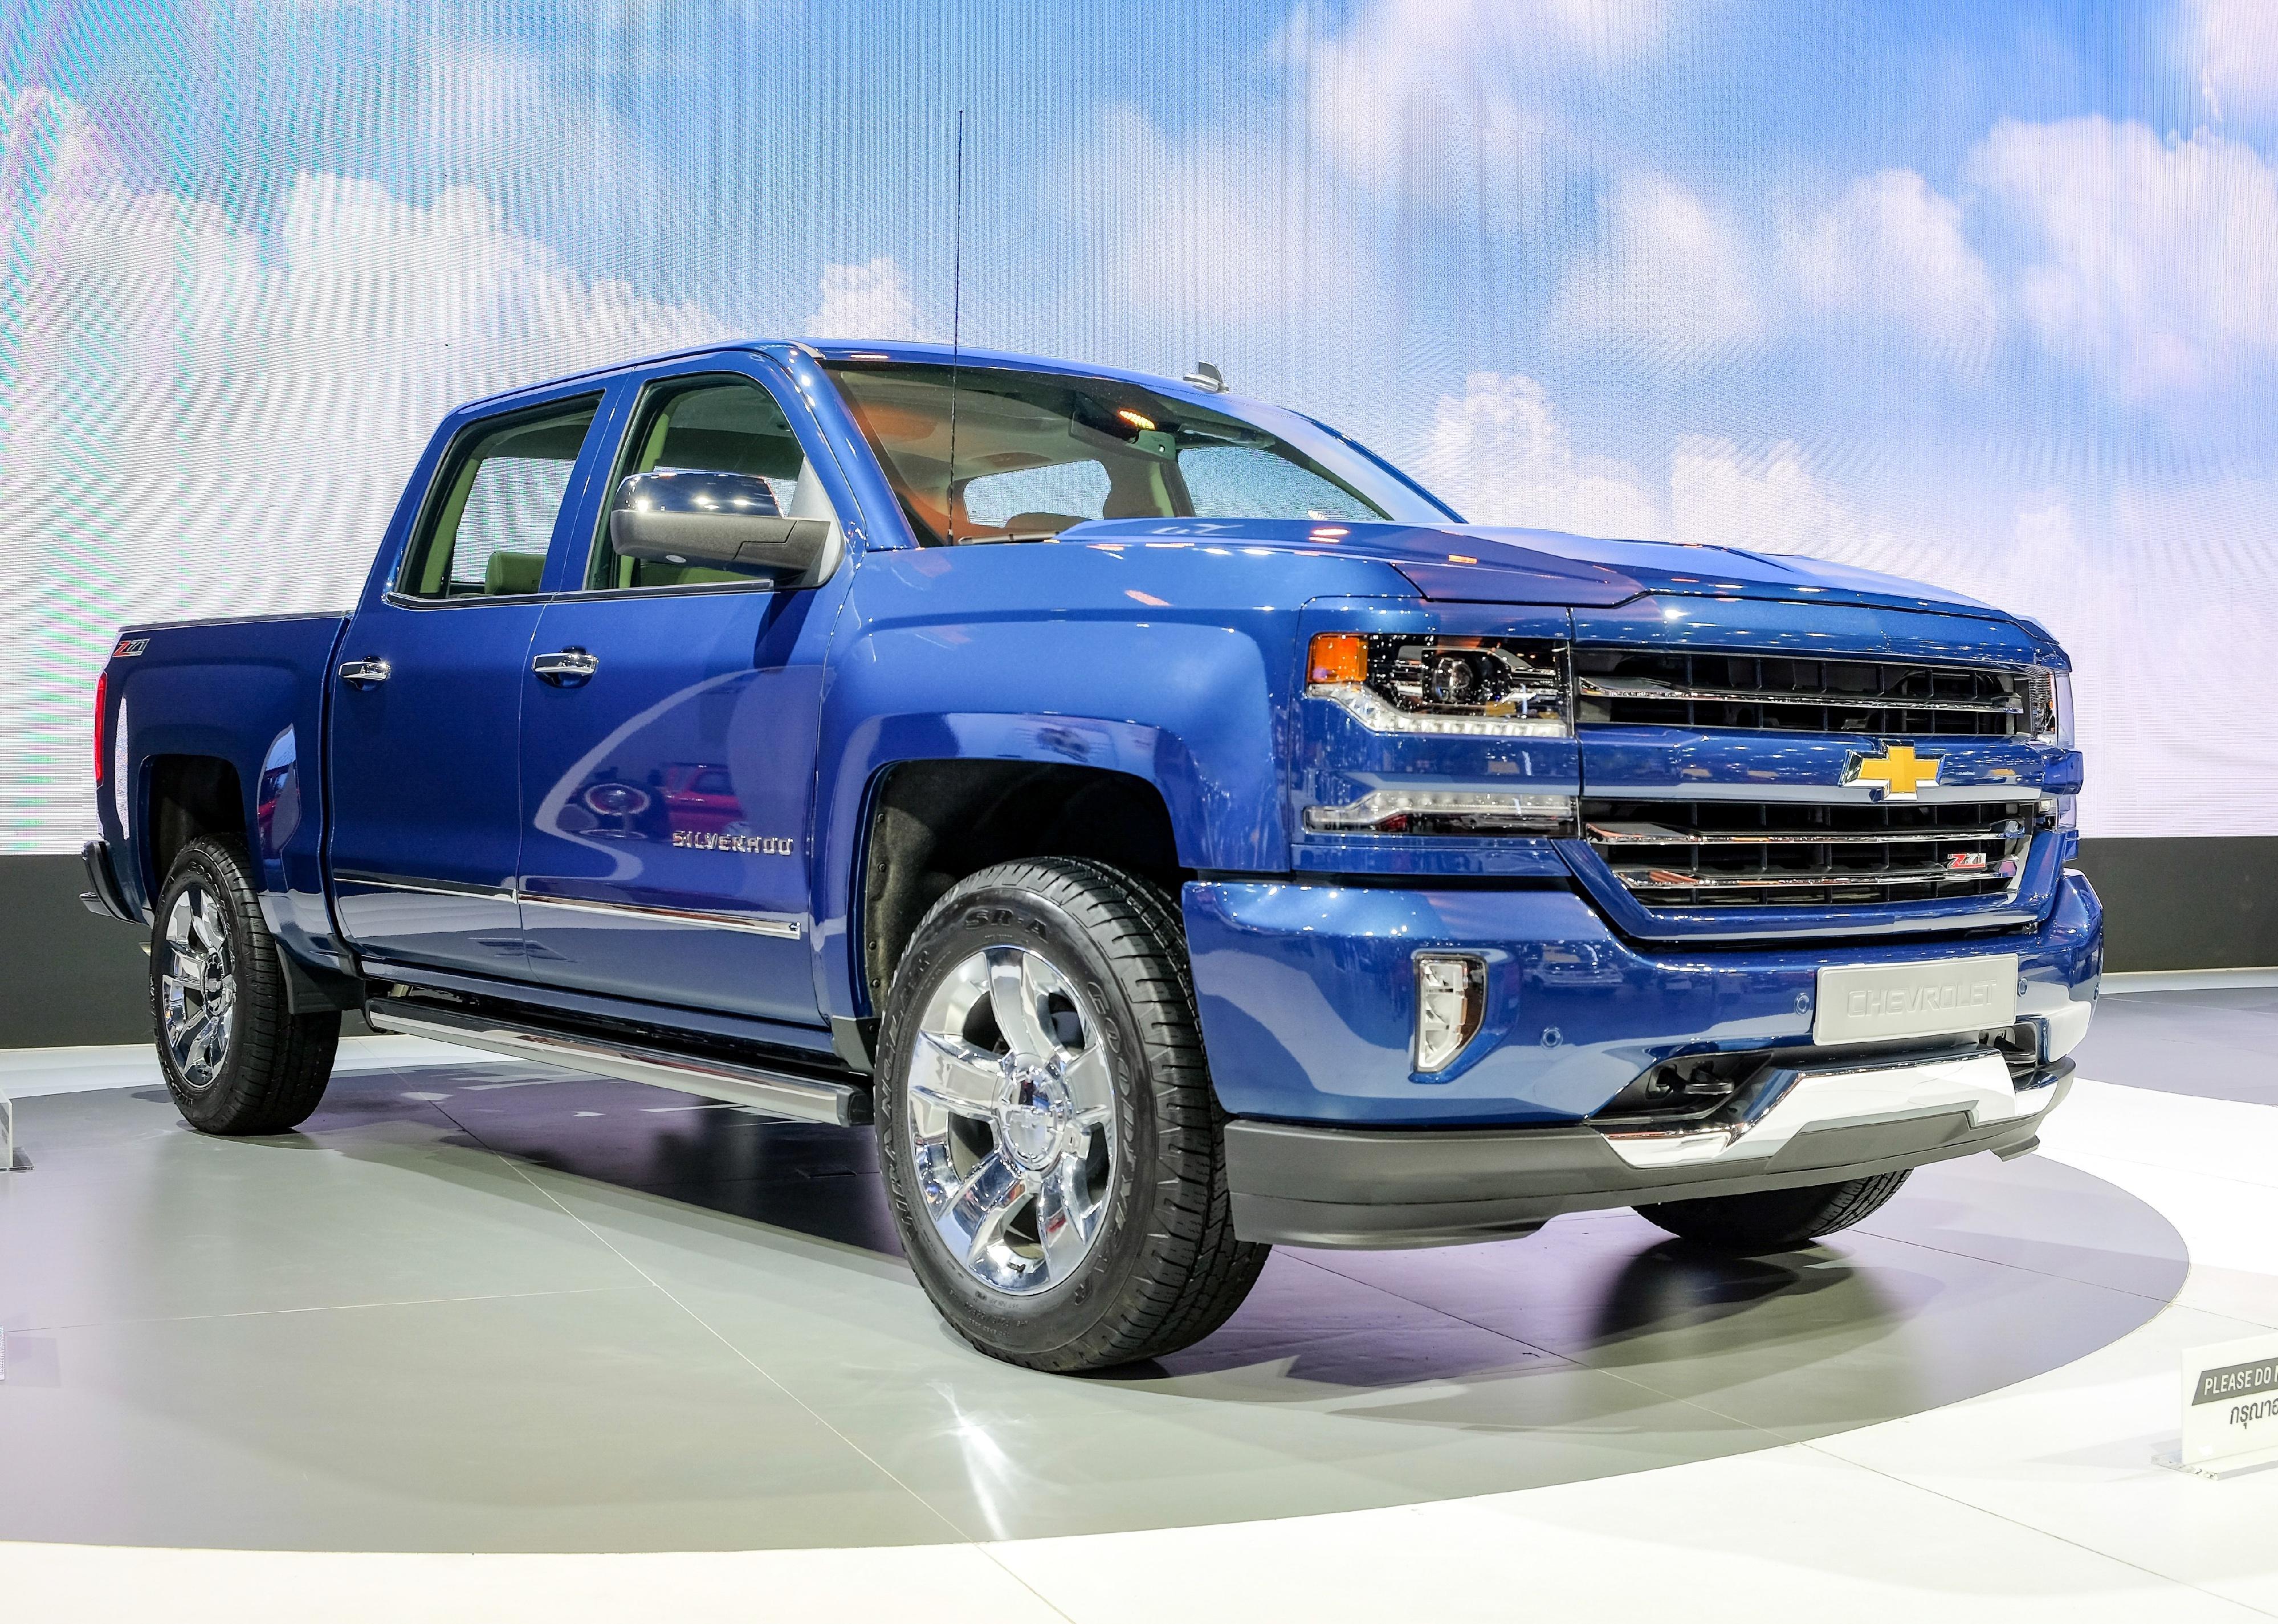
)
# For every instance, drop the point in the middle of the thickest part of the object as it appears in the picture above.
(1174, 829)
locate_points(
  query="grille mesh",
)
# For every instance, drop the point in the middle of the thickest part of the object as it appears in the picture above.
(1688, 689)
(1686, 855)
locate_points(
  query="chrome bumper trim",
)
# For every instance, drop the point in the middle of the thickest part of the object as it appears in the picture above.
(1846, 1096)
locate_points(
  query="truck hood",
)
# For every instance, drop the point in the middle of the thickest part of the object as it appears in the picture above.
(1479, 563)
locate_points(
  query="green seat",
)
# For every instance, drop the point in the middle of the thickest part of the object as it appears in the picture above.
(507, 573)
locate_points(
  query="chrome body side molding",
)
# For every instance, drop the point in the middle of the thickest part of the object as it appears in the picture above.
(757, 923)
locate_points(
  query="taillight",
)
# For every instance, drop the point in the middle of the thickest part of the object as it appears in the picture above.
(102, 756)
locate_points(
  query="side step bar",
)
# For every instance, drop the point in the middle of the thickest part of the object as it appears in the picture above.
(781, 1092)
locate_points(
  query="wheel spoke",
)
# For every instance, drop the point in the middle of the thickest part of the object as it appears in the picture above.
(954, 1074)
(984, 1203)
(1090, 1086)
(191, 1044)
(1059, 1222)
(1017, 1001)
(178, 927)
(204, 928)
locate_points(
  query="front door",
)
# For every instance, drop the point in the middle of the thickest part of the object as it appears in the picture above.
(427, 702)
(669, 723)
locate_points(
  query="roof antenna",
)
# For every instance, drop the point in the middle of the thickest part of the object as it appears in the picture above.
(956, 335)
(1205, 376)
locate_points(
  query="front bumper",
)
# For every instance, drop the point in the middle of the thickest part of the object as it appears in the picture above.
(1307, 999)
(1311, 1186)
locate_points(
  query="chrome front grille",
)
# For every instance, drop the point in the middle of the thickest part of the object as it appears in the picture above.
(1683, 688)
(1686, 855)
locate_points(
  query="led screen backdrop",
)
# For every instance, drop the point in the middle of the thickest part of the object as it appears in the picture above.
(1984, 294)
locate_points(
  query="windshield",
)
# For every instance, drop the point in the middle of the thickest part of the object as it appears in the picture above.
(1035, 452)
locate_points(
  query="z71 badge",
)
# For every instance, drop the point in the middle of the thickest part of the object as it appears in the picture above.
(129, 647)
(765, 845)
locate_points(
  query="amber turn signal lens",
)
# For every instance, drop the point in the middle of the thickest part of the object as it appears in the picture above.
(1337, 657)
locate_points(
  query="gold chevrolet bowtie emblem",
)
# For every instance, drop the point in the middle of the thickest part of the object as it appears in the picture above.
(1898, 766)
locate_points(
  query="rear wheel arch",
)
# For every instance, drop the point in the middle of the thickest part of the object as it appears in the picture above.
(187, 798)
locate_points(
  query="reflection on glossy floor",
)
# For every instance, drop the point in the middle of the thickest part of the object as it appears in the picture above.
(475, 1305)
(2217, 1043)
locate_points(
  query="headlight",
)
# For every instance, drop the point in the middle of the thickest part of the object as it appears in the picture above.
(1475, 687)
(2049, 695)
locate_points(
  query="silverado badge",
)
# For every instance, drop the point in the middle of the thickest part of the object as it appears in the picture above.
(1897, 767)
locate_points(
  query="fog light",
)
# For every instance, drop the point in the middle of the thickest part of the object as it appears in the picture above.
(1451, 1001)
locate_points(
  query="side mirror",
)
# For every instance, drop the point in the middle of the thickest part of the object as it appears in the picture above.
(720, 522)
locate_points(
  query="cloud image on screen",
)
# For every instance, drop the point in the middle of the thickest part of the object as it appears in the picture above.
(1985, 296)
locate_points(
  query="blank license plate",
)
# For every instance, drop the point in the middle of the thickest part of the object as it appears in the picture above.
(1869, 1004)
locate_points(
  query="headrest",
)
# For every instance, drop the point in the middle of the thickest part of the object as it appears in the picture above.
(508, 573)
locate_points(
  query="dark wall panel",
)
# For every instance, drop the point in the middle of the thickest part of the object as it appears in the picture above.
(2206, 903)
(68, 977)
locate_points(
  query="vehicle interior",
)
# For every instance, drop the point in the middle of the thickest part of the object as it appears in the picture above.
(990, 453)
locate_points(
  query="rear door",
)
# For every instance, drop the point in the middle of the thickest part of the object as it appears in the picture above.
(427, 698)
(669, 724)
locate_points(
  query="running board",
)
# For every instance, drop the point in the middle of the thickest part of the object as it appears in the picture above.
(781, 1092)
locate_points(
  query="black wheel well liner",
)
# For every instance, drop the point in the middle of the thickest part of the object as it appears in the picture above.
(932, 823)
(190, 797)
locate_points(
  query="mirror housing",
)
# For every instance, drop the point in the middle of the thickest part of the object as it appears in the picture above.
(720, 522)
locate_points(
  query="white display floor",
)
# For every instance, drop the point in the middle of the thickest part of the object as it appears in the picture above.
(2037, 1498)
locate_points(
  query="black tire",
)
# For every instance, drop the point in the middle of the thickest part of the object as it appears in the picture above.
(254, 1067)
(1776, 1220)
(1164, 1270)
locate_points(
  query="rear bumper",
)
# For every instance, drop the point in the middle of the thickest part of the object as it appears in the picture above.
(105, 899)
(1296, 1184)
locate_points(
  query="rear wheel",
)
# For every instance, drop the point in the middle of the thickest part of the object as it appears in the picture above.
(1054, 1154)
(236, 1059)
(1775, 1220)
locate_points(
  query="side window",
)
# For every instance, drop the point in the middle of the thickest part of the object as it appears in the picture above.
(487, 529)
(1027, 499)
(711, 425)
(1248, 482)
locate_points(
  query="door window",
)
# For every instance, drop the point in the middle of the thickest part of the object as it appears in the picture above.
(713, 425)
(492, 517)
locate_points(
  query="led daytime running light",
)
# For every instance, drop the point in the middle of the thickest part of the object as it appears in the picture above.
(1477, 811)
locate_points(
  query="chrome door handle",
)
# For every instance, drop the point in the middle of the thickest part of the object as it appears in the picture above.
(364, 673)
(565, 666)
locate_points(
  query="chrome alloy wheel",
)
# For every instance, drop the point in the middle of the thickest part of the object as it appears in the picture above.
(1012, 1119)
(197, 986)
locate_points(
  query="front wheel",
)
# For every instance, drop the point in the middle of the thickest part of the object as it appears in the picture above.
(236, 1059)
(1776, 1220)
(1054, 1156)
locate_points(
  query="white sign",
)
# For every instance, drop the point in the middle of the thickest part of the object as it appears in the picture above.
(2230, 1405)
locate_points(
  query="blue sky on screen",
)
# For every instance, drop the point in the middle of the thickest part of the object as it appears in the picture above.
(1984, 294)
